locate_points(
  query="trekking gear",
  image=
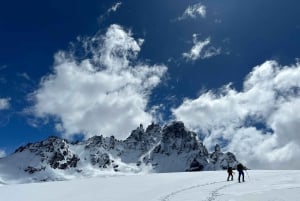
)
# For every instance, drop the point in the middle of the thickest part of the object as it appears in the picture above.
(247, 175)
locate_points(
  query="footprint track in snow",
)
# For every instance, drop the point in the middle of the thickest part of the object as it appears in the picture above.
(214, 194)
(169, 196)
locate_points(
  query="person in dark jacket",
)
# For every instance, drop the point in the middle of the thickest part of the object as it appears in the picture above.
(230, 173)
(240, 168)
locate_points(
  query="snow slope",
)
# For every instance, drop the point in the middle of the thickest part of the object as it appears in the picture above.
(187, 186)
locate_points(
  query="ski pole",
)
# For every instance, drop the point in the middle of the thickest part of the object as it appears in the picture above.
(247, 175)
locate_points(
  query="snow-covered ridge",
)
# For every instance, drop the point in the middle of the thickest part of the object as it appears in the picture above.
(172, 148)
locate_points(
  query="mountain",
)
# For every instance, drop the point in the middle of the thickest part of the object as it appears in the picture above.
(172, 148)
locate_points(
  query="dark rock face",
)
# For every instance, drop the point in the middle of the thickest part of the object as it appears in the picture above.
(177, 143)
(222, 160)
(139, 139)
(98, 148)
(61, 162)
(176, 138)
(52, 151)
(32, 170)
(72, 162)
(102, 160)
(54, 161)
(96, 142)
(195, 166)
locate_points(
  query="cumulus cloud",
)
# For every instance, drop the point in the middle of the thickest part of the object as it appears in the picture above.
(2, 153)
(193, 11)
(4, 103)
(260, 123)
(201, 50)
(106, 93)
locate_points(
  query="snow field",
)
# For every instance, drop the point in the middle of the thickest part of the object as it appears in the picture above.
(188, 186)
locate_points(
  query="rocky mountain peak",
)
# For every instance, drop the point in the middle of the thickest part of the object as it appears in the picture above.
(137, 135)
(153, 128)
(222, 160)
(143, 140)
(51, 144)
(217, 148)
(175, 129)
(176, 137)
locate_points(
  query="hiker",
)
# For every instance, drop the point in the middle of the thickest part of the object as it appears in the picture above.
(240, 168)
(230, 173)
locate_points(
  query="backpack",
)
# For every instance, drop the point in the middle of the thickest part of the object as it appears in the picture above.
(239, 167)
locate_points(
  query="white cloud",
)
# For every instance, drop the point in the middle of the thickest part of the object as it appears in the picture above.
(260, 124)
(201, 50)
(24, 75)
(112, 9)
(211, 52)
(194, 11)
(115, 7)
(4, 103)
(2, 153)
(106, 94)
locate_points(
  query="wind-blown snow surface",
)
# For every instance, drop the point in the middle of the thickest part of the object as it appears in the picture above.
(187, 186)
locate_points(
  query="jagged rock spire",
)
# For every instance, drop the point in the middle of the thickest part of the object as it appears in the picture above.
(217, 148)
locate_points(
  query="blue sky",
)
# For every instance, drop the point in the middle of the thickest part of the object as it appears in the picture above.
(229, 70)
